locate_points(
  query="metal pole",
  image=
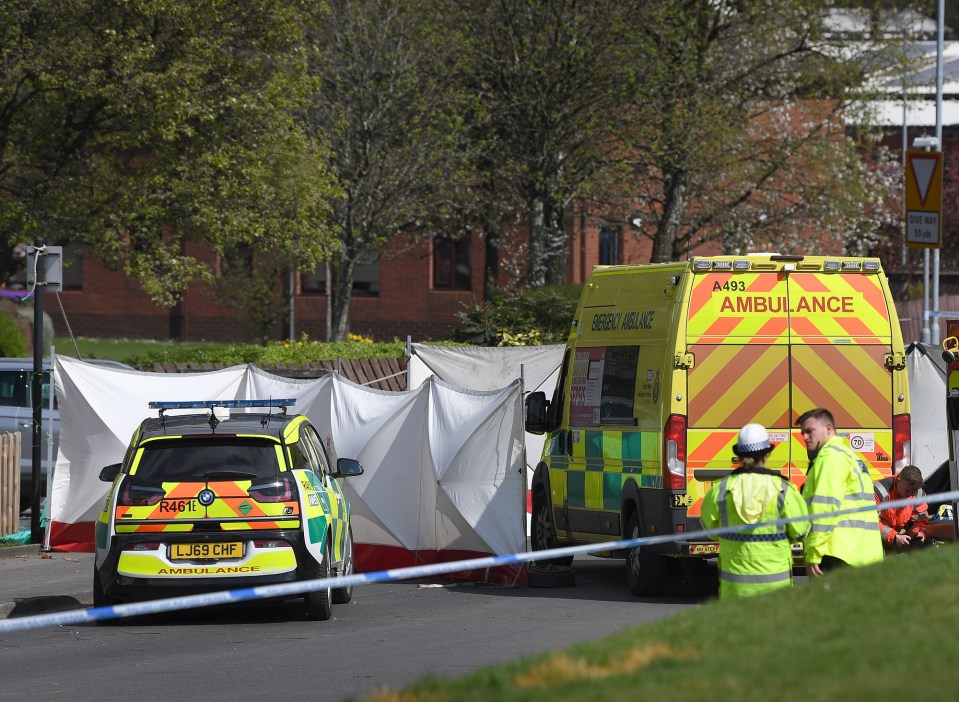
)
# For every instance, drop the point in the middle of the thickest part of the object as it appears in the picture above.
(935, 252)
(37, 396)
(905, 147)
(926, 335)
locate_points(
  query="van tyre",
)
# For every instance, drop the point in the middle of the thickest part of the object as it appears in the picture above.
(319, 603)
(543, 532)
(645, 571)
(343, 595)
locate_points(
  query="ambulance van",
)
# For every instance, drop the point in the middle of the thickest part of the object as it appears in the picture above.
(666, 362)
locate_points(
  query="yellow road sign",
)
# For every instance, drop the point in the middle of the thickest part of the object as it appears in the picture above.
(924, 199)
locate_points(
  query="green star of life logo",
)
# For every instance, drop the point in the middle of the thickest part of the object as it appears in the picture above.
(245, 507)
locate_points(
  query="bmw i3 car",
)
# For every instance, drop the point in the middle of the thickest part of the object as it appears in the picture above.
(239, 494)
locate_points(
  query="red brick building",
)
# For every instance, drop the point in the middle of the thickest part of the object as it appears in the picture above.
(416, 294)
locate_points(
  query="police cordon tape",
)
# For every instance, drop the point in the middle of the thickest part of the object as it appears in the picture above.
(171, 604)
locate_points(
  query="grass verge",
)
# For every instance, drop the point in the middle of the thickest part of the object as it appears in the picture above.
(885, 632)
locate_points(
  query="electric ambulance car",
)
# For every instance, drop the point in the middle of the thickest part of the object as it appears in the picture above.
(223, 499)
(666, 362)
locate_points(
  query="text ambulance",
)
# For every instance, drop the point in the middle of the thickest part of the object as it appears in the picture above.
(666, 362)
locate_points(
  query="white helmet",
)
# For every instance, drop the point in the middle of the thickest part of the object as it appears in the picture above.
(753, 438)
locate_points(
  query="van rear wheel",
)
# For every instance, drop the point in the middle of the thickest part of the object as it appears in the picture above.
(543, 536)
(645, 571)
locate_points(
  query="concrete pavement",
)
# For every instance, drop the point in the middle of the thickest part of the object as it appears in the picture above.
(39, 582)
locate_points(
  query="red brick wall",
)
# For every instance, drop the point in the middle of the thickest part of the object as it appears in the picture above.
(111, 305)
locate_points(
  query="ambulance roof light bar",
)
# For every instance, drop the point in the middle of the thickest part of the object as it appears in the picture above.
(210, 404)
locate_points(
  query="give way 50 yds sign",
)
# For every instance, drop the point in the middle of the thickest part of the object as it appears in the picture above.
(924, 199)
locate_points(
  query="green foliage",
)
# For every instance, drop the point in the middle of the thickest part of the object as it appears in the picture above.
(387, 110)
(12, 342)
(136, 126)
(532, 318)
(275, 352)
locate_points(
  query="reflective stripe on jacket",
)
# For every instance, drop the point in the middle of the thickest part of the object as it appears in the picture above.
(757, 560)
(911, 520)
(837, 480)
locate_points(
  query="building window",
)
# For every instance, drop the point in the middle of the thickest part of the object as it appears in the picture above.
(366, 279)
(609, 246)
(451, 263)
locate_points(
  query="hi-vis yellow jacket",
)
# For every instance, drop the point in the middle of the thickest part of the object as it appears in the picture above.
(757, 560)
(837, 480)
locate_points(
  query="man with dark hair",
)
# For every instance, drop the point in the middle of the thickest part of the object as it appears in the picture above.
(835, 481)
(903, 527)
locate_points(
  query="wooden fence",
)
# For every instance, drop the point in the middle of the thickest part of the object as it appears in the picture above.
(910, 317)
(9, 483)
(379, 373)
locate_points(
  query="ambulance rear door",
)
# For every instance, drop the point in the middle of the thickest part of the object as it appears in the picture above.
(840, 336)
(737, 332)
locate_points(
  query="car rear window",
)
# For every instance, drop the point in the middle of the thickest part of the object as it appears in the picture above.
(207, 459)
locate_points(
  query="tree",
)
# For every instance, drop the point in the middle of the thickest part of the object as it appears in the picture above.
(133, 126)
(386, 109)
(736, 129)
(547, 77)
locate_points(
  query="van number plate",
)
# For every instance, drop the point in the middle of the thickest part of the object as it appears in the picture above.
(232, 549)
(682, 501)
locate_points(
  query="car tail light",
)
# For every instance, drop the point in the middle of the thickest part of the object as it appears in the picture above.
(133, 495)
(279, 489)
(674, 452)
(143, 546)
(901, 442)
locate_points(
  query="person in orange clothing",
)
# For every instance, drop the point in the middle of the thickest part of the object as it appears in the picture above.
(904, 527)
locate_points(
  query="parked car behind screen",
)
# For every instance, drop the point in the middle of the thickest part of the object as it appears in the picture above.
(16, 415)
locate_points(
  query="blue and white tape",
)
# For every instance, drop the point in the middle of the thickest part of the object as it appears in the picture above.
(134, 609)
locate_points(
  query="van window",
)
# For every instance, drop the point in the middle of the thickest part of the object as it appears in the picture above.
(15, 389)
(604, 385)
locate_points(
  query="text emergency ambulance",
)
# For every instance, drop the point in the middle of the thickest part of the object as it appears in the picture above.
(666, 362)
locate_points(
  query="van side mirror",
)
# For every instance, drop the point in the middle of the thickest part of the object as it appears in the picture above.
(537, 413)
(109, 473)
(347, 468)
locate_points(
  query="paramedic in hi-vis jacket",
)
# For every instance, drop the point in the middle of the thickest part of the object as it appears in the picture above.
(836, 480)
(755, 560)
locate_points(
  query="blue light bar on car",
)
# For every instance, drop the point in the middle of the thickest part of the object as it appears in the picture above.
(210, 404)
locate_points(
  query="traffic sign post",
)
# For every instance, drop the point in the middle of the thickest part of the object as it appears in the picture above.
(924, 199)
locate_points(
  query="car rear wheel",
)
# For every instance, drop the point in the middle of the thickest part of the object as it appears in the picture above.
(319, 603)
(543, 536)
(342, 595)
(100, 599)
(645, 571)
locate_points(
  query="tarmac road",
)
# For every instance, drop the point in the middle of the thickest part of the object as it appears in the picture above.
(390, 635)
